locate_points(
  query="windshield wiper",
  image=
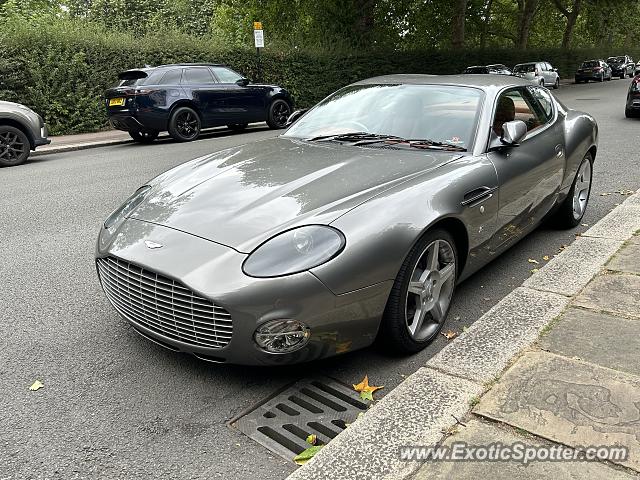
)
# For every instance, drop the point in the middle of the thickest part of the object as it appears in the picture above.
(417, 143)
(354, 137)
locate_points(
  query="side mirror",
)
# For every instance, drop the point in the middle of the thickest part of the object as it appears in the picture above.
(242, 82)
(513, 132)
(295, 116)
(555, 70)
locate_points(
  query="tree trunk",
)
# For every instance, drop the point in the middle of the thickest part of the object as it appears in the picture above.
(365, 19)
(571, 16)
(485, 25)
(526, 12)
(457, 36)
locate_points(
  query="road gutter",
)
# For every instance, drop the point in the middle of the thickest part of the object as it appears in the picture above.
(433, 399)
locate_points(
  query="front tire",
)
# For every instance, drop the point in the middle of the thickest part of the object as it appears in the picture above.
(147, 136)
(574, 206)
(14, 146)
(278, 113)
(184, 124)
(557, 84)
(421, 294)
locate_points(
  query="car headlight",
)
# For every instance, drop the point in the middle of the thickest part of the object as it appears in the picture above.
(117, 217)
(294, 251)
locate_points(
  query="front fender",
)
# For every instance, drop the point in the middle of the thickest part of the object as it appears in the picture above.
(581, 135)
(381, 231)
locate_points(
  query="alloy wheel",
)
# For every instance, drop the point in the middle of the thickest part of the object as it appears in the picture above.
(12, 148)
(281, 112)
(187, 125)
(430, 290)
(581, 189)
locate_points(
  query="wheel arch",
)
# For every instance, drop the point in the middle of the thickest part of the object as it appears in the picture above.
(183, 103)
(10, 122)
(458, 231)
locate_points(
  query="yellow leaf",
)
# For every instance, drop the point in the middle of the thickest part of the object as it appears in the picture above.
(366, 390)
(531, 260)
(312, 439)
(546, 258)
(534, 270)
(37, 385)
(449, 334)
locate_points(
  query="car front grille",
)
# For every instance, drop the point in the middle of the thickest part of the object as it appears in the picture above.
(164, 305)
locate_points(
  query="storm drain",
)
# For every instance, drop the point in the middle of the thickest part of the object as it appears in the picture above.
(320, 406)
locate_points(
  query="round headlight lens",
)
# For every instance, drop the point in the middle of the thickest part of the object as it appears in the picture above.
(294, 251)
(127, 207)
(282, 336)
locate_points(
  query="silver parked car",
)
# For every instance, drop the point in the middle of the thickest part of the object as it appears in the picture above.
(541, 73)
(357, 223)
(21, 130)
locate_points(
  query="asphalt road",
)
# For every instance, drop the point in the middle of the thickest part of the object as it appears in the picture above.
(117, 406)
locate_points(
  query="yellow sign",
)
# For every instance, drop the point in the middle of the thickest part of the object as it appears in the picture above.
(257, 25)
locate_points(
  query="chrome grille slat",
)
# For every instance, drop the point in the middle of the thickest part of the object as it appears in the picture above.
(164, 305)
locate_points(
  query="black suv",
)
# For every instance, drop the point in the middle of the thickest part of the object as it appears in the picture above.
(185, 98)
(621, 66)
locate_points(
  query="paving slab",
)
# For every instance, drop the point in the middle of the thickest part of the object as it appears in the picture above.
(616, 293)
(627, 259)
(414, 413)
(572, 269)
(570, 402)
(485, 349)
(620, 223)
(481, 433)
(588, 335)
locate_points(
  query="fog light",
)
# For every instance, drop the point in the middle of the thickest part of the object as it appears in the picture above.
(282, 336)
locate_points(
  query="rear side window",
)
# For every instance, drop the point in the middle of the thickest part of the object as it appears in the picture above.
(154, 78)
(172, 77)
(544, 101)
(197, 76)
(225, 75)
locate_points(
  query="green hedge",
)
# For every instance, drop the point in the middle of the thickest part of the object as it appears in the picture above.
(62, 69)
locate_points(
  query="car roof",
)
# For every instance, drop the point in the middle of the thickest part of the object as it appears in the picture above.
(170, 65)
(484, 81)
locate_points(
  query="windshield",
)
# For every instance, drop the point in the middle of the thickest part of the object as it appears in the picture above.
(615, 60)
(525, 67)
(590, 64)
(429, 112)
(476, 70)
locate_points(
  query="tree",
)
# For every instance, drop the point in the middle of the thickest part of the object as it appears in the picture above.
(459, 12)
(526, 13)
(571, 16)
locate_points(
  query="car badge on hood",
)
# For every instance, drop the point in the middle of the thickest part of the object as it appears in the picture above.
(152, 245)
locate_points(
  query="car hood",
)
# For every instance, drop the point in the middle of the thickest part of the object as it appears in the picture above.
(242, 196)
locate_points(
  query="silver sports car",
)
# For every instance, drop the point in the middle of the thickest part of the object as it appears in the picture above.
(357, 223)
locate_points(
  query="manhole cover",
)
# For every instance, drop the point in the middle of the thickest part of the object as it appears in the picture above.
(282, 423)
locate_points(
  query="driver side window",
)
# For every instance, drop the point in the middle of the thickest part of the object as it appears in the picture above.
(515, 105)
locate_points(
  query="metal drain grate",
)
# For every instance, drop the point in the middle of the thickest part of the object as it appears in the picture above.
(320, 406)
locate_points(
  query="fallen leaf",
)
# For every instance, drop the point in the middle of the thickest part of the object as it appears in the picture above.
(531, 260)
(546, 258)
(37, 385)
(312, 439)
(456, 318)
(449, 334)
(308, 454)
(366, 390)
(584, 224)
(464, 328)
(343, 347)
(604, 194)
(533, 270)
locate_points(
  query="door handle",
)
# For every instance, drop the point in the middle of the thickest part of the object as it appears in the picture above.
(478, 195)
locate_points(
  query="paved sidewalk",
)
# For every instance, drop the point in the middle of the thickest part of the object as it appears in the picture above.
(68, 143)
(578, 386)
(556, 362)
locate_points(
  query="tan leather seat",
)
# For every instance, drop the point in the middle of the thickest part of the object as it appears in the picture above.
(505, 112)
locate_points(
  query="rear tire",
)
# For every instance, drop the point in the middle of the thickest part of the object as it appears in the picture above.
(574, 206)
(422, 290)
(237, 127)
(278, 112)
(629, 114)
(184, 124)
(148, 136)
(14, 146)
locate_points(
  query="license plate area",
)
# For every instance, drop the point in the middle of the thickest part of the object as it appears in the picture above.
(116, 102)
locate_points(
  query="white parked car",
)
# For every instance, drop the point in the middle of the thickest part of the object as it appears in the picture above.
(541, 73)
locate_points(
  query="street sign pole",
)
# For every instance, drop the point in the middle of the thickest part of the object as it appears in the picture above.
(258, 38)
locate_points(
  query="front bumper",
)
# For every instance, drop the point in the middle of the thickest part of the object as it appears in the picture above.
(42, 138)
(338, 323)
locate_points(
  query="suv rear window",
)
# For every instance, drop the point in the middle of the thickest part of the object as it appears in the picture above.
(172, 77)
(525, 67)
(590, 64)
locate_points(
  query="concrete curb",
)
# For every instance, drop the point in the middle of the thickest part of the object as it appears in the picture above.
(430, 400)
(75, 147)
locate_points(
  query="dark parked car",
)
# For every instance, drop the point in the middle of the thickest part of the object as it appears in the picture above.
(185, 98)
(632, 108)
(478, 69)
(597, 70)
(500, 69)
(622, 65)
(21, 130)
